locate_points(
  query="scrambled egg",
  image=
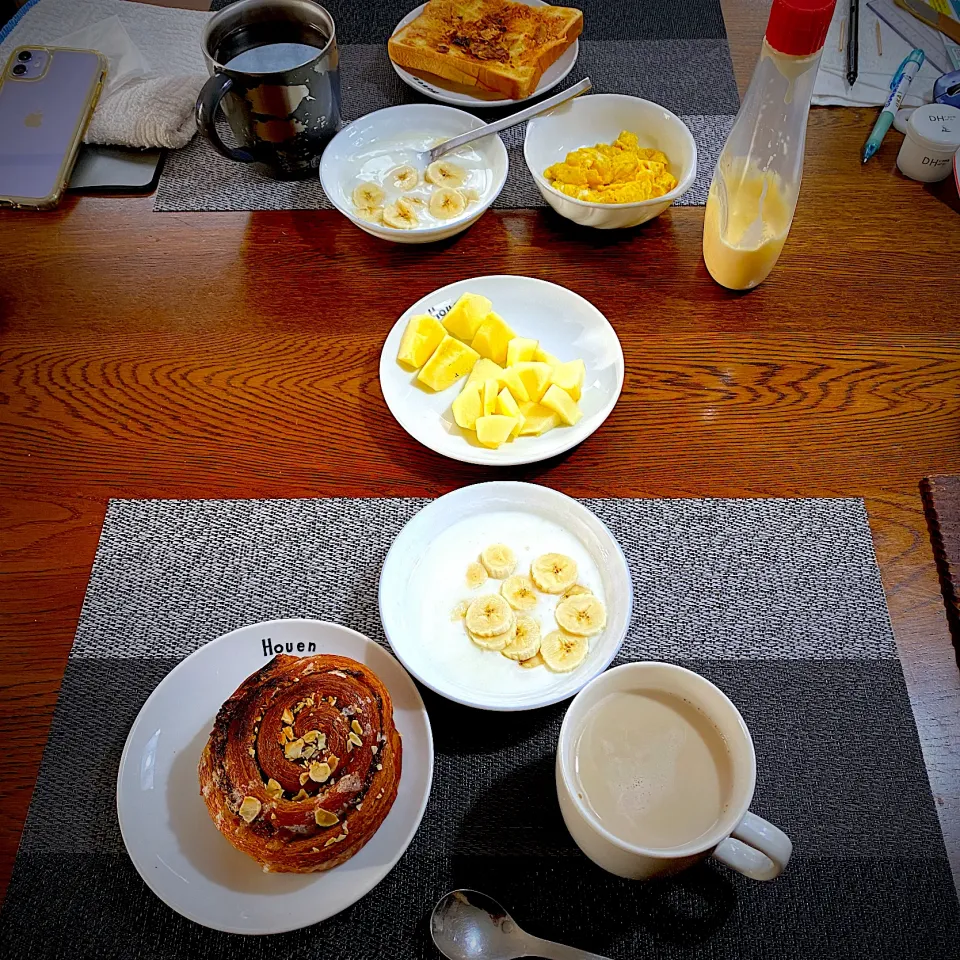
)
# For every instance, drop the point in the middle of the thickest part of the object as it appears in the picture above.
(620, 172)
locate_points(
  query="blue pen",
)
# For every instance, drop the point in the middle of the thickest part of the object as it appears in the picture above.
(898, 90)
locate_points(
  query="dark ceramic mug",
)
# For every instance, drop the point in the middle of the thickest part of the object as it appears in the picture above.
(274, 69)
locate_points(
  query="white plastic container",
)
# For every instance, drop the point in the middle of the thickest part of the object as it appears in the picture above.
(931, 142)
(756, 182)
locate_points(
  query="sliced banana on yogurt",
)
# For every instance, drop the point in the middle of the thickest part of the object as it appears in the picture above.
(562, 651)
(404, 177)
(401, 215)
(445, 173)
(553, 572)
(446, 203)
(489, 616)
(368, 195)
(583, 615)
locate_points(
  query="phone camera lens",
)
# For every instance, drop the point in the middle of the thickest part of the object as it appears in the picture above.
(24, 55)
(19, 70)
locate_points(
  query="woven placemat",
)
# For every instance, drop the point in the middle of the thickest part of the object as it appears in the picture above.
(777, 601)
(675, 54)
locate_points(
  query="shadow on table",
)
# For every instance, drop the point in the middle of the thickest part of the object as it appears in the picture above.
(512, 844)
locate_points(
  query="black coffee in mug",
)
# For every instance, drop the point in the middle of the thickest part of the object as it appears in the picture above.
(274, 71)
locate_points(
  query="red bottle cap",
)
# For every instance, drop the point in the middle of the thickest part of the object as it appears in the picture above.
(799, 27)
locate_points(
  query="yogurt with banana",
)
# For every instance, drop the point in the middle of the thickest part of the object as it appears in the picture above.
(446, 581)
(391, 189)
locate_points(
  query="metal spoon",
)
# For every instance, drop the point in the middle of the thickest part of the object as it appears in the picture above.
(428, 156)
(468, 925)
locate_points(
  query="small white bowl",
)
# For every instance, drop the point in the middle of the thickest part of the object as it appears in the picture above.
(599, 119)
(337, 165)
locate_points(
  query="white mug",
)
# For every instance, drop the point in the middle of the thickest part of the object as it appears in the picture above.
(743, 841)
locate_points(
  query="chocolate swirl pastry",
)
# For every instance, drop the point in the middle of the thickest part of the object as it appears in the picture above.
(303, 763)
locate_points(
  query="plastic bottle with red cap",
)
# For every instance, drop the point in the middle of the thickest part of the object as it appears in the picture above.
(753, 194)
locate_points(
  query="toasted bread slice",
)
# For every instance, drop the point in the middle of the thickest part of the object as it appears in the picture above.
(491, 44)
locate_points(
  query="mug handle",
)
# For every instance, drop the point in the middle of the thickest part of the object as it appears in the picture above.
(757, 849)
(207, 103)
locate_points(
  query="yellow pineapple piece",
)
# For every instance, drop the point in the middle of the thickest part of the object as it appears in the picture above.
(509, 408)
(537, 419)
(468, 405)
(494, 430)
(521, 348)
(490, 390)
(466, 315)
(420, 339)
(511, 380)
(560, 402)
(569, 377)
(492, 338)
(485, 369)
(535, 377)
(448, 363)
(541, 356)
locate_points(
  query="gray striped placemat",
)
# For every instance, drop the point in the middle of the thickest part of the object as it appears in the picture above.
(675, 54)
(777, 601)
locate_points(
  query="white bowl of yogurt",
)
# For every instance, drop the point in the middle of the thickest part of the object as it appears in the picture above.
(423, 582)
(367, 154)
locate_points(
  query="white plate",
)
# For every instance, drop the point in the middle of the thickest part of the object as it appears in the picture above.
(567, 325)
(168, 833)
(423, 578)
(460, 97)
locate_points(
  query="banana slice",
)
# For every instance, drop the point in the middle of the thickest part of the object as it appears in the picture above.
(489, 616)
(583, 615)
(400, 214)
(499, 560)
(563, 652)
(445, 173)
(460, 610)
(497, 642)
(372, 214)
(404, 178)
(576, 590)
(472, 194)
(476, 575)
(526, 640)
(553, 572)
(520, 592)
(368, 195)
(535, 661)
(446, 203)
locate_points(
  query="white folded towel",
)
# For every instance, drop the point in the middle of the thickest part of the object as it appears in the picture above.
(147, 112)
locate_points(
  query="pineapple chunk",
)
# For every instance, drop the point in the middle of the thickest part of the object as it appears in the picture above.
(492, 338)
(569, 377)
(468, 406)
(520, 348)
(511, 380)
(420, 339)
(495, 429)
(466, 315)
(490, 390)
(541, 356)
(484, 369)
(535, 377)
(559, 401)
(509, 408)
(448, 363)
(537, 419)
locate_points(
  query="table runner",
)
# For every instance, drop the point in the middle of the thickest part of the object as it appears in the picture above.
(779, 602)
(676, 54)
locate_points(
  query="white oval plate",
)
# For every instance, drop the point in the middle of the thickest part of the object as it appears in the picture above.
(167, 830)
(567, 325)
(459, 97)
(423, 578)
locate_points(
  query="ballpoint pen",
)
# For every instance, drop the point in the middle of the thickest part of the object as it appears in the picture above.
(898, 90)
(853, 42)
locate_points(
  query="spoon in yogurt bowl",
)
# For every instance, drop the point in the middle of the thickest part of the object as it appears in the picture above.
(469, 925)
(426, 157)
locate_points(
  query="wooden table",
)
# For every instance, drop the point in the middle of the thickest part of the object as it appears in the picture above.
(235, 355)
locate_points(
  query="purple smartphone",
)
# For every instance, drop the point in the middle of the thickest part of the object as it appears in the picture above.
(47, 95)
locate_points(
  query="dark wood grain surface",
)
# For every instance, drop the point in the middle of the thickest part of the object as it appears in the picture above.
(213, 355)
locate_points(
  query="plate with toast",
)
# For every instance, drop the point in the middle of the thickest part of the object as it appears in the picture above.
(485, 53)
